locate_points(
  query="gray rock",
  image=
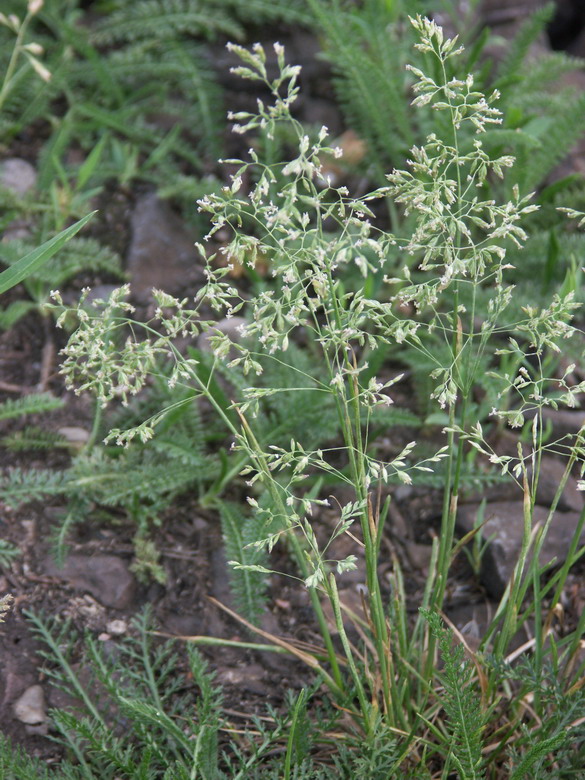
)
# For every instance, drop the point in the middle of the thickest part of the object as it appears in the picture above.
(18, 230)
(352, 598)
(184, 625)
(472, 620)
(30, 707)
(250, 677)
(504, 522)
(117, 627)
(162, 252)
(551, 473)
(419, 555)
(505, 17)
(577, 48)
(17, 175)
(74, 435)
(508, 14)
(105, 577)
(564, 421)
(220, 581)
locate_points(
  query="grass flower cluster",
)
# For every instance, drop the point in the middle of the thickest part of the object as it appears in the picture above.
(450, 286)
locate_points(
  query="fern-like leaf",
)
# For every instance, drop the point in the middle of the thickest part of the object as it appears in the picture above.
(15, 764)
(518, 48)
(33, 438)
(536, 754)
(367, 54)
(19, 487)
(286, 11)
(140, 725)
(8, 552)
(248, 587)
(162, 19)
(461, 702)
(35, 403)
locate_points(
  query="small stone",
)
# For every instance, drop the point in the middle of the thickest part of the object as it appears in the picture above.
(30, 707)
(550, 475)
(353, 599)
(402, 493)
(200, 523)
(117, 627)
(87, 609)
(39, 729)
(74, 435)
(184, 625)
(17, 175)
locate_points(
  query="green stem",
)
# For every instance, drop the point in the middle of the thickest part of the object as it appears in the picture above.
(269, 483)
(516, 592)
(7, 82)
(357, 456)
(97, 424)
(364, 705)
(294, 542)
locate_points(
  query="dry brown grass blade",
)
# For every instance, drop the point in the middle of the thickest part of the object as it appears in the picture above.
(481, 676)
(306, 658)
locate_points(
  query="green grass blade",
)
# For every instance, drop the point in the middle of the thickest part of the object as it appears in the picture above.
(38, 257)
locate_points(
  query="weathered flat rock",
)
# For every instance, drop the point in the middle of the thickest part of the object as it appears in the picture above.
(76, 436)
(564, 421)
(105, 577)
(504, 522)
(184, 625)
(551, 474)
(249, 676)
(162, 252)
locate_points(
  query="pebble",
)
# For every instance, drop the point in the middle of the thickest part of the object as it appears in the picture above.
(29, 708)
(117, 627)
(74, 435)
(17, 175)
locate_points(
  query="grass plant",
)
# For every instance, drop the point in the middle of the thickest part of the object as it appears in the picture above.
(413, 718)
